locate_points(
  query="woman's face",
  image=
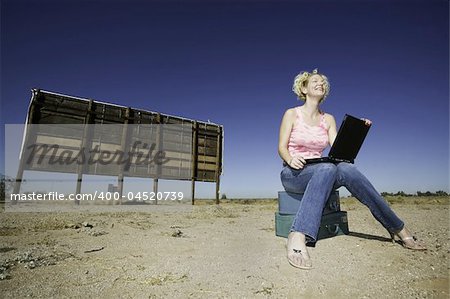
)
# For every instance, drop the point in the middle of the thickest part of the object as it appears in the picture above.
(315, 86)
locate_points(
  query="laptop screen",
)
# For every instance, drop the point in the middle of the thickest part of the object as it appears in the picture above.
(349, 139)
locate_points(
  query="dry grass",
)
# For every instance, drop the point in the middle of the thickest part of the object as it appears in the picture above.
(212, 211)
(414, 200)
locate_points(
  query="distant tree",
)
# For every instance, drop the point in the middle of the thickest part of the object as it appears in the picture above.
(428, 193)
(398, 193)
(441, 193)
(6, 186)
(224, 196)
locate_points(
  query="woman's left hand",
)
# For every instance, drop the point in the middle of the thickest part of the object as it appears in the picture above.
(367, 121)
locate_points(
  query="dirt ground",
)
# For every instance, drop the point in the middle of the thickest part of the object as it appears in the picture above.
(217, 251)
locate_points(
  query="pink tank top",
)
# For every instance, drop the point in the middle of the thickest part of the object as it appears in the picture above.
(306, 140)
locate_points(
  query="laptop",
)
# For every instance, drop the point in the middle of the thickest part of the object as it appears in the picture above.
(348, 142)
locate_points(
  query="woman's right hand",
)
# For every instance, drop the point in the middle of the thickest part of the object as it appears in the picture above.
(297, 162)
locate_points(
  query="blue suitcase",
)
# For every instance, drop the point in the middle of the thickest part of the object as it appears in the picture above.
(331, 225)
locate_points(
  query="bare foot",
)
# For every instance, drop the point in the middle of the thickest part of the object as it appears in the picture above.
(297, 253)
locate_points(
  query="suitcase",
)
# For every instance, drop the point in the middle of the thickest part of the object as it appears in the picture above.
(288, 203)
(331, 225)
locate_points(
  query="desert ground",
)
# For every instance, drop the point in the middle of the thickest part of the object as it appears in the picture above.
(217, 251)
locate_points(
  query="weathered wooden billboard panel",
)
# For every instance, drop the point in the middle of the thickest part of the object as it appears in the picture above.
(83, 136)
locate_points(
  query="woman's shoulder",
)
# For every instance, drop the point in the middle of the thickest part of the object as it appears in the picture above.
(291, 112)
(329, 119)
(328, 116)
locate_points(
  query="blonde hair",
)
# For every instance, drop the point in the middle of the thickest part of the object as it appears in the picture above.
(301, 80)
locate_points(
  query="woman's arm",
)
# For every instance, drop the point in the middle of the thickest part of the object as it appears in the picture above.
(285, 132)
(332, 131)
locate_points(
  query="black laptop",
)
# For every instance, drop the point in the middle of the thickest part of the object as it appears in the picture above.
(349, 140)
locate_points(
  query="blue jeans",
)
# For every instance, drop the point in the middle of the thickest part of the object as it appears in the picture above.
(317, 181)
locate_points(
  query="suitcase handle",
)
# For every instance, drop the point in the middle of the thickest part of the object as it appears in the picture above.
(336, 229)
(333, 206)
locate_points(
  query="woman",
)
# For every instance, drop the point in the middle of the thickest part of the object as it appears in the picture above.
(304, 133)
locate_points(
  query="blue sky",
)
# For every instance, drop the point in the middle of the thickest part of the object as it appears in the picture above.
(233, 62)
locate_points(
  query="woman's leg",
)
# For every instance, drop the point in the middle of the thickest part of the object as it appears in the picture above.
(360, 187)
(316, 182)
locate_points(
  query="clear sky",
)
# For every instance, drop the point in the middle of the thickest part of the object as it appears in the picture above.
(233, 62)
